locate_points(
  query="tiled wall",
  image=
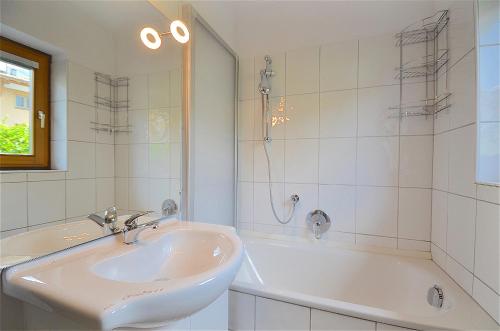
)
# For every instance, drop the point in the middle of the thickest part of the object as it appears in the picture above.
(84, 181)
(465, 215)
(148, 160)
(339, 146)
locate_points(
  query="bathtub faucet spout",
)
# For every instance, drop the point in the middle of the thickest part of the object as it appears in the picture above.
(317, 230)
(318, 222)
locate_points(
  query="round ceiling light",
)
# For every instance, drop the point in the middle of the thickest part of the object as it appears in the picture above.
(151, 38)
(181, 36)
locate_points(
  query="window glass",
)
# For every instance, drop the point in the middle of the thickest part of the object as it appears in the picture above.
(16, 113)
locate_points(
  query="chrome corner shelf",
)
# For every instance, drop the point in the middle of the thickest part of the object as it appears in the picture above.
(425, 30)
(116, 99)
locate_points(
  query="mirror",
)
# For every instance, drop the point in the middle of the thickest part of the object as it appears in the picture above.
(114, 121)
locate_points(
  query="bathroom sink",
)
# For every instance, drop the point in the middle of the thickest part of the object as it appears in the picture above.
(169, 274)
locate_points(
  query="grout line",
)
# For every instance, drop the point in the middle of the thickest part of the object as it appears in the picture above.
(356, 148)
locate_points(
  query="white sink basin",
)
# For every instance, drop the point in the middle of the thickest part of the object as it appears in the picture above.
(171, 273)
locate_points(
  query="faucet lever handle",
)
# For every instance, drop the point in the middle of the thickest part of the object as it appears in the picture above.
(131, 222)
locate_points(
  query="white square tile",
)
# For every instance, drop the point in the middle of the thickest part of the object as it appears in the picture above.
(302, 71)
(14, 204)
(414, 245)
(262, 211)
(159, 160)
(159, 125)
(277, 315)
(277, 120)
(338, 114)
(59, 155)
(488, 162)
(245, 120)
(377, 241)
(301, 161)
(159, 90)
(439, 218)
(245, 202)
(337, 161)
(175, 160)
(413, 94)
(488, 83)
(489, 300)
(461, 229)
(81, 84)
(105, 193)
(378, 60)
(175, 124)
(416, 161)
(13, 177)
(374, 116)
(241, 311)
(104, 137)
(138, 92)
(438, 256)
(414, 214)
(276, 150)
(339, 66)
(245, 160)
(213, 317)
(159, 191)
(340, 237)
(80, 197)
(9, 233)
(302, 116)
(461, 28)
(322, 320)
(377, 162)
(138, 193)
(387, 327)
(489, 193)
(176, 87)
(59, 120)
(487, 255)
(377, 211)
(339, 202)
(246, 79)
(308, 202)
(138, 159)
(175, 190)
(278, 80)
(462, 174)
(121, 193)
(105, 161)
(79, 126)
(46, 201)
(462, 85)
(138, 121)
(121, 160)
(440, 162)
(459, 274)
(40, 175)
(81, 160)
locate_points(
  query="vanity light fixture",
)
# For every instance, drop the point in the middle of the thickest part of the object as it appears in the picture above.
(152, 39)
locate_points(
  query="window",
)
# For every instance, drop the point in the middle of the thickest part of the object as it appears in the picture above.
(24, 107)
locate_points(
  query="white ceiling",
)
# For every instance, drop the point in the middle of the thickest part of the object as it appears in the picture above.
(255, 27)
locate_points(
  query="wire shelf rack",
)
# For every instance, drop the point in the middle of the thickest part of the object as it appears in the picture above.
(423, 31)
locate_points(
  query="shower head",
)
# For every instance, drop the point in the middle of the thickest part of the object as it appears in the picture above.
(265, 83)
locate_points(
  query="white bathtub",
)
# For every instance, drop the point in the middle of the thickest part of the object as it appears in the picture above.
(380, 287)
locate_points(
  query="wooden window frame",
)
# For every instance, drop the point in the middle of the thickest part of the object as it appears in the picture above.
(41, 102)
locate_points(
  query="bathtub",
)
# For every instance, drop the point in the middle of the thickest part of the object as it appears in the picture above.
(384, 287)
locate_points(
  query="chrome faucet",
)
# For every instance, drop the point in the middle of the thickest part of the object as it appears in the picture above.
(108, 223)
(131, 229)
(319, 222)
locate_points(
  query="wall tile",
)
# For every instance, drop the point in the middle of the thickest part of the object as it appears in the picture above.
(368, 240)
(159, 160)
(459, 274)
(138, 121)
(46, 201)
(81, 84)
(414, 245)
(489, 300)
(105, 160)
(276, 150)
(81, 160)
(175, 160)
(489, 193)
(301, 161)
(440, 161)
(387, 327)
(322, 320)
(78, 125)
(487, 244)
(121, 160)
(462, 161)
(416, 161)
(245, 120)
(338, 114)
(462, 85)
(339, 66)
(13, 210)
(80, 197)
(159, 90)
(159, 125)
(159, 191)
(36, 176)
(138, 92)
(105, 193)
(414, 221)
(245, 160)
(461, 29)
(378, 58)
(121, 193)
(241, 311)
(138, 160)
(175, 88)
(439, 218)
(262, 211)
(339, 202)
(308, 202)
(376, 211)
(302, 71)
(246, 79)
(413, 94)
(337, 161)
(488, 162)
(138, 194)
(374, 116)
(59, 120)
(302, 114)
(377, 162)
(461, 225)
(245, 202)
(12, 177)
(278, 315)
(278, 118)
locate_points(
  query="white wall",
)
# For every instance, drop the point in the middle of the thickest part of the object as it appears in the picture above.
(339, 148)
(465, 215)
